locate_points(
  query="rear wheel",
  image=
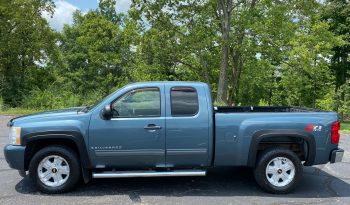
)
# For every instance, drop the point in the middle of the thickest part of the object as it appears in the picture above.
(278, 170)
(55, 169)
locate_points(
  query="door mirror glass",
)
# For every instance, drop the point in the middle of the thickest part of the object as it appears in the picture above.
(106, 112)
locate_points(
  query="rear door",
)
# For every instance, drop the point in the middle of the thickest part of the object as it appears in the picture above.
(187, 126)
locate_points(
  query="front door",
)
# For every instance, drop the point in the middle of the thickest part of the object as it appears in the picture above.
(135, 136)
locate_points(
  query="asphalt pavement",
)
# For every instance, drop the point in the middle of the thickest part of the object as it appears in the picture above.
(325, 184)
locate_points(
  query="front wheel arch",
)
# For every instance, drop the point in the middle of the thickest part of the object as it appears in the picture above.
(73, 139)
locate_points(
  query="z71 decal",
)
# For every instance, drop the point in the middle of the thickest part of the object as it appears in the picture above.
(315, 128)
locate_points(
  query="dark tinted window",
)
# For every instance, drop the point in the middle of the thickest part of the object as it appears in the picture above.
(138, 103)
(184, 101)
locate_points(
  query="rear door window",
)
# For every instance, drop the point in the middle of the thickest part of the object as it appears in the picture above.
(184, 101)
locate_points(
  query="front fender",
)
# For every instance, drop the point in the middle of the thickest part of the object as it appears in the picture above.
(74, 136)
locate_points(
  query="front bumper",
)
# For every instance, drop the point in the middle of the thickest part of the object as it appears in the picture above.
(337, 155)
(14, 155)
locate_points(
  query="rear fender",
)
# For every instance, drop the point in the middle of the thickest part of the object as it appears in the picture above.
(264, 134)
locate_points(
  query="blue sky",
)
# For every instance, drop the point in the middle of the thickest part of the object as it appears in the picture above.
(65, 8)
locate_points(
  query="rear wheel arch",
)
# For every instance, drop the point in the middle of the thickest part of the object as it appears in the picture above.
(259, 136)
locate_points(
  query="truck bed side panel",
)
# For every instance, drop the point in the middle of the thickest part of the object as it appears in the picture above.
(234, 133)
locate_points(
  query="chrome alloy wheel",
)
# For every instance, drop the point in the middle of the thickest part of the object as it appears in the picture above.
(53, 171)
(280, 171)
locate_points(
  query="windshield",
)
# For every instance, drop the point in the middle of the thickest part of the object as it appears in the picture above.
(90, 107)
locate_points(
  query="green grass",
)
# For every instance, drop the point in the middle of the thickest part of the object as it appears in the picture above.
(18, 111)
(345, 126)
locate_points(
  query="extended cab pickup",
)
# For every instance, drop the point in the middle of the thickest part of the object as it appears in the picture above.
(154, 129)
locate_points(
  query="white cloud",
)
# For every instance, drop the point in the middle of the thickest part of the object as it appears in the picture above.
(64, 12)
(63, 15)
(122, 6)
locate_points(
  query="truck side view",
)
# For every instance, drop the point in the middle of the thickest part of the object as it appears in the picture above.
(158, 129)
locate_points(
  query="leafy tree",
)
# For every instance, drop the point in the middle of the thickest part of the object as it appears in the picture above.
(179, 40)
(264, 52)
(294, 46)
(107, 9)
(289, 37)
(27, 47)
(96, 51)
(337, 13)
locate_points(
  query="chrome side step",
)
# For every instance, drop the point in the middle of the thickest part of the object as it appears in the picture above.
(127, 174)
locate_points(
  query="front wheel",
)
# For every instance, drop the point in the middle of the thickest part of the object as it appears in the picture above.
(278, 170)
(55, 169)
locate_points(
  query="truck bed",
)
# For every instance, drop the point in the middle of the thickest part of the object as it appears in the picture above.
(237, 127)
(230, 109)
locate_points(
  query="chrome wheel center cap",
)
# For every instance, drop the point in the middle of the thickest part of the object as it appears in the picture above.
(54, 170)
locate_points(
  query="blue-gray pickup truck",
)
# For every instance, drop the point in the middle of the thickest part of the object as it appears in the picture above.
(161, 129)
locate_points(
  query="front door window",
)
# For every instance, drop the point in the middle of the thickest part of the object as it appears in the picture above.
(138, 103)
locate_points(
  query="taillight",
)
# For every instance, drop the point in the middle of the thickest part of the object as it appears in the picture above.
(335, 132)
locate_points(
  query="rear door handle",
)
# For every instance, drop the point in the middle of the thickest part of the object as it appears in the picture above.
(152, 127)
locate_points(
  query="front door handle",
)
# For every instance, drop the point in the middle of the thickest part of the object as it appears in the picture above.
(152, 127)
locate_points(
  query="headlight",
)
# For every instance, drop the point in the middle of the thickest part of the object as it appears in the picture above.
(15, 135)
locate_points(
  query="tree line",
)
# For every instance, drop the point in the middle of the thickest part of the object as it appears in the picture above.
(250, 52)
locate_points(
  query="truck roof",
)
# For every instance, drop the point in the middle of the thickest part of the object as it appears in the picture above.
(188, 83)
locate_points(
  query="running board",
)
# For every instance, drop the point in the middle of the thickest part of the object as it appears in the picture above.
(127, 174)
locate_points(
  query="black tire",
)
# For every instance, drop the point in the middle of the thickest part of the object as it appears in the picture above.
(66, 153)
(264, 159)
